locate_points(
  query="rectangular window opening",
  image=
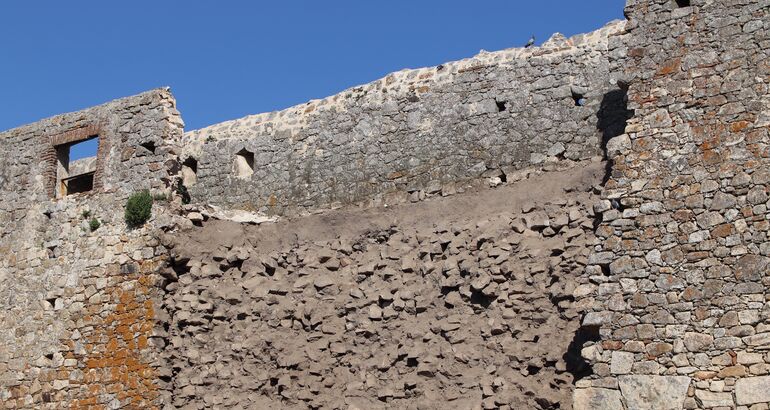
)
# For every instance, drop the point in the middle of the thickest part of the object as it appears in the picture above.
(76, 166)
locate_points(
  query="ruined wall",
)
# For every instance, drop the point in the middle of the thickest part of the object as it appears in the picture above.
(418, 132)
(661, 286)
(681, 275)
(457, 302)
(77, 305)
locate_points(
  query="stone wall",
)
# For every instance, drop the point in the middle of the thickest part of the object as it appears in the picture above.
(681, 274)
(661, 286)
(470, 307)
(419, 132)
(77, 306)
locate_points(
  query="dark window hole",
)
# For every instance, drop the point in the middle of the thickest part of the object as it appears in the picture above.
(241, 316)
(149, 146)
(192, 163)
(51, 302)
(580, 99)
(501, 105)
(49, 356)
(605, 270)
(533, 370)
(412, 362)
(683, 3)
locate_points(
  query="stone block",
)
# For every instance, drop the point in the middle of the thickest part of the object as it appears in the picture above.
(751, 390)
(708, 399)
(596, 399)
(654, 392)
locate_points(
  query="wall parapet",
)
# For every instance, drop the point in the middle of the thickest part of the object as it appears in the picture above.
(416, 131)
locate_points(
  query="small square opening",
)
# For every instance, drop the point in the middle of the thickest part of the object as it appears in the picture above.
(189, 172)
(243, 167)
(683, 3)
(579, 99)
(76, 166)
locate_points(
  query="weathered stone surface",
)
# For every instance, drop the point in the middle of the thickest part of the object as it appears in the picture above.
(654, 392)
(708, 399)
(378, 137)
(751, 390)
(596, 399)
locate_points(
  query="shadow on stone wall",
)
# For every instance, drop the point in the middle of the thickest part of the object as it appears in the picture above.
(612, 115)
(576, 365)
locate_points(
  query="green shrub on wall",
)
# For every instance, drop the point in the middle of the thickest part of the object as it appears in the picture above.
(138, 209)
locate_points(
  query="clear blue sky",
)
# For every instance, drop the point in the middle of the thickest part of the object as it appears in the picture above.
(228, 59)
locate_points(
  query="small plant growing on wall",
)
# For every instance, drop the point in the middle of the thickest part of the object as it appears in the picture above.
(94, 224)
(138, 209)
(86, 214)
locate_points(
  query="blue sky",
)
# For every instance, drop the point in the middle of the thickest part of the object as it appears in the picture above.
(228, 59)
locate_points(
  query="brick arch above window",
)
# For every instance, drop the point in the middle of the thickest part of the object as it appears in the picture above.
(57, 144)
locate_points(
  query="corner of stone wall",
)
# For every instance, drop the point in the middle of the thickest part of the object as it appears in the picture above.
(680, 291)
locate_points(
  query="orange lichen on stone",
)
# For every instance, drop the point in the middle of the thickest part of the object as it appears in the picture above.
(115, 347)
(670, 66)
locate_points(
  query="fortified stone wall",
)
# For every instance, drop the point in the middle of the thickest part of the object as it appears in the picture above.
(661, 286)
(77, 305)
(681, 274)
(417, 133)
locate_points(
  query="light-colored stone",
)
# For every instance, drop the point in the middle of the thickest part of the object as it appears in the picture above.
(751, 390)
(621, 362)
(596, 399)
(654, 392)
(708, 399)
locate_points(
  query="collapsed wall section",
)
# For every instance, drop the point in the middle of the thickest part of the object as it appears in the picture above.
(458, 302)
(417, 133)
(76, 303)
(681, 275)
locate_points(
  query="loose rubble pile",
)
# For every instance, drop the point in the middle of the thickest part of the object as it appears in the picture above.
(471, 313)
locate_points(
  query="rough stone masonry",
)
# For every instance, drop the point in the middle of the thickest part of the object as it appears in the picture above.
(578, 225)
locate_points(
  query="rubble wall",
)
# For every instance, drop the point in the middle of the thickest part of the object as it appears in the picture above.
(682, 271)
(76, 305)
(457, 302)
(417, 133)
